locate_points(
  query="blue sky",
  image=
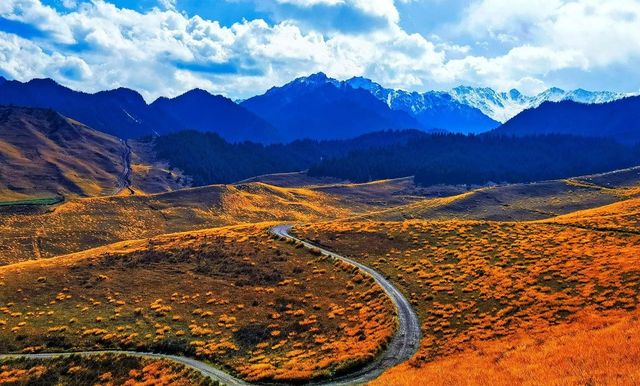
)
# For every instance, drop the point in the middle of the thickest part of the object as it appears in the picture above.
(243, 47)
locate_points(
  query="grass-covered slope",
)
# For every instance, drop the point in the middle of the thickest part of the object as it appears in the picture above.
(77, 225)
(43, 155)
(261, 308)
(474, 282)
(107, 369)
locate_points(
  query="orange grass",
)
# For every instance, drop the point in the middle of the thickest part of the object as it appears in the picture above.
(78, 225)
(102, 369)
(595, 350)
(621, 216)
(262, 308)
(478, 281)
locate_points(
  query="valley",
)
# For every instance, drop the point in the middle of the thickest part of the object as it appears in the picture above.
(520, 258)
(319, 193)
(392, 257)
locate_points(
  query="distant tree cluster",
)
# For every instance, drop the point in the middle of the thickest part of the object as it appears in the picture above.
(431, 158)
(209, 159)
(460, 159)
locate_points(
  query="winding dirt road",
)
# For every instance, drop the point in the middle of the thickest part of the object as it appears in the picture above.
(407, 338)
(402, 346)
(207, 370)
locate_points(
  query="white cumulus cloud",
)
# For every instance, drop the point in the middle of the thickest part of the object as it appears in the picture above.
(164, 51)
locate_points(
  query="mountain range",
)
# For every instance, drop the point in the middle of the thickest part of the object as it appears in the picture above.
(319, 107)
(468, 109)
(315, 107)
(436, 110)
(502, 106)
(125, 114)
(460, 110)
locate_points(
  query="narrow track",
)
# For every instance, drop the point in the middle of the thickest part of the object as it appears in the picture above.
(207, 370)
(402, 346)
(124, 179)
(407, 338)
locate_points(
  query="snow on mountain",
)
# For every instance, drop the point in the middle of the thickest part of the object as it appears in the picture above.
(503, 106)
(500, 106)
(462, 109)
(437, 110)
(319, 107)
(412, 102)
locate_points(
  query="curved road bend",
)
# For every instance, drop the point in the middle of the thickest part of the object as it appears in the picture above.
(402, 346)
(407, 338)
(207, 370)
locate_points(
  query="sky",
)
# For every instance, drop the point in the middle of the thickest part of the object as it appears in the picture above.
(241, 48)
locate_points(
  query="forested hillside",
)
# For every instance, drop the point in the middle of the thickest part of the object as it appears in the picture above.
(210, 159)
(459, 159)
(432, 158)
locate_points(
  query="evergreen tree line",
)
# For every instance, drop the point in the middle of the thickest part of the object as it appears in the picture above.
(431, 158)
(209, 159)
(460, 159)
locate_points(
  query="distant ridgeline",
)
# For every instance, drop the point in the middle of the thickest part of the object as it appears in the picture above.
(432, 158)
(354, 129)
(315, 107)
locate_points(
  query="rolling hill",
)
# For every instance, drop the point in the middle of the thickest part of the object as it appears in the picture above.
(619, 120)
(260, 308)
(48, 157)
(79, 224)
(45, 154)
(523, 202)
(505, 302)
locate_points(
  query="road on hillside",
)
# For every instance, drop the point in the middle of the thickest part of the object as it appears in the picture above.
(403, 345)
(124, 179)
(205, 369)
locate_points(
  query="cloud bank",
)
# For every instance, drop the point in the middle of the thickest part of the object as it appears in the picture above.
(165, 50)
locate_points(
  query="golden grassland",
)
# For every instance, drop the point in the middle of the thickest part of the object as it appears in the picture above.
(596, 349)
(80, 224)
(515, 202)
(33, 233)
(500, 302)
(623, 216)
(293, 180)
(99, 370)
(473, 281)
(262, 308)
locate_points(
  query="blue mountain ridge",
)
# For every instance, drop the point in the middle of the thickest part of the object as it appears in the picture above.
(322, 108)
(124, 113)
(619, 120)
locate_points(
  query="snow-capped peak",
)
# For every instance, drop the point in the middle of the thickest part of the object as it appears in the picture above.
(499, 106)
(504, 106)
